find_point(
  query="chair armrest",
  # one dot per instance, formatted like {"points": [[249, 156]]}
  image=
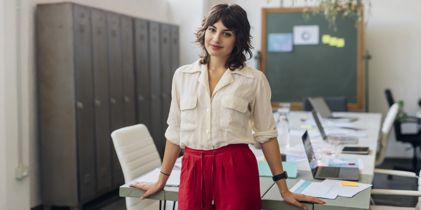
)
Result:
{"points": [[396, 192], [395, 172]]}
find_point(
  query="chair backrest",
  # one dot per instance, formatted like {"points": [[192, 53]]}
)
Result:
{"points": [[397, 124], [335, 103], [385, 132], [138, 155], [389, 97]]}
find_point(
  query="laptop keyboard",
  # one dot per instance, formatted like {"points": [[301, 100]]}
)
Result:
{"points": [[328, 172]]}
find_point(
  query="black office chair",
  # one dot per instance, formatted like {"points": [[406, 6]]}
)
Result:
{"points": [[335, 103], [413, 139]]}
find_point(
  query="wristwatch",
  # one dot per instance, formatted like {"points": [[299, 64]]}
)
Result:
{"points": [[280, 176]]}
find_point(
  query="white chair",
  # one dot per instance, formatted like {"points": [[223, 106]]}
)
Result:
{"points": [[412, 193], [385, 133], [137, 154], [381, 153]]}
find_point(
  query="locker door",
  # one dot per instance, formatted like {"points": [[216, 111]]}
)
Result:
{"points": [[175, 48], [166, 74], [128, 70], [143, 89], [155, 69], [84, 103], [116, 87], [102, 124]]}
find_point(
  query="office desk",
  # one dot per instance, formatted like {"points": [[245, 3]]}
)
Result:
{"points": [[171, 193], [271, 198], [370, 122]]}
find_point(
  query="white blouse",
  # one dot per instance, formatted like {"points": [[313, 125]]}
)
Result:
{"points": [[238, 111]]}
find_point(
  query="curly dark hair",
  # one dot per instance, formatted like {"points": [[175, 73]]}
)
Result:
{"points": [[235, 19]]}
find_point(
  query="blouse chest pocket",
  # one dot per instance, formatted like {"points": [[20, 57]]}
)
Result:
{"points": [[188, 114], [235, 112]]}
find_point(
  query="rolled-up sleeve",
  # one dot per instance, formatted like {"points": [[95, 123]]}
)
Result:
{"points": [[263, 123], [172, 133]]}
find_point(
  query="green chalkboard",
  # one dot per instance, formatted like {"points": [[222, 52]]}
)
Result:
{"points": [[318, 69]]}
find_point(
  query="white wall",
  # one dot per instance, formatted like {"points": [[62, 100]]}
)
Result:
{"points": [[393, 38], [2, 111], [188, 15], [9, 112]]}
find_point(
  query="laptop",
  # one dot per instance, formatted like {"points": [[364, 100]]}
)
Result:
{"points": [[327, 172], [342, 139], [319, 104]]}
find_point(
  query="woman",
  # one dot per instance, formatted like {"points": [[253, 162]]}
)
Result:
{"points": [[219, 106]]}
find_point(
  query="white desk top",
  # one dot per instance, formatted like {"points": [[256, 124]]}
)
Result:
{"points": [[271, 198]]}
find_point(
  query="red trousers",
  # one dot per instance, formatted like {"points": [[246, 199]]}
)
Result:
{"points": [[226, 178]]}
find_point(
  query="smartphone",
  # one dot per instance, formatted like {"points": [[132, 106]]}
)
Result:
{"points": [[356, 150]]}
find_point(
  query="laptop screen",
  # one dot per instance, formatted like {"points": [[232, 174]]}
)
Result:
{"points": [[319, 124], [308, 148], [319, 104]]}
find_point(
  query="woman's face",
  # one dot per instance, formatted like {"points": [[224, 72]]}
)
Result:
{"points": [[219, 41]]}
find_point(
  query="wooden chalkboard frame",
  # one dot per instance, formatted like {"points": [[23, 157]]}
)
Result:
{"points": [[360, 75]]}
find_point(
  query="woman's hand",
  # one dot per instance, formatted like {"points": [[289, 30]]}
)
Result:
{"points": [[149, 188], [294, 199]]}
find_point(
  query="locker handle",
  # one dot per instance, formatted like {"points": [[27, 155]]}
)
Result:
{"points": [[140, 98], [113, 101], [126, 99], [79, 105], [97, 102], [154, 96]]}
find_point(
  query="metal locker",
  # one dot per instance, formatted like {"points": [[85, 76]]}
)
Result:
{"points": [[84, 102], [143, 84], [155, 71], [116, 87], [166, 74], [175, 48], [91, 67], [128, 70], [102, 115], [56, 103]]}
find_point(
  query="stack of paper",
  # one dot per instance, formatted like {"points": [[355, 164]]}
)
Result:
{"points": [[329, 189]]}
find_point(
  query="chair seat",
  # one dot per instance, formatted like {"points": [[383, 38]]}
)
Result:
{"points": [[391, 208]]}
